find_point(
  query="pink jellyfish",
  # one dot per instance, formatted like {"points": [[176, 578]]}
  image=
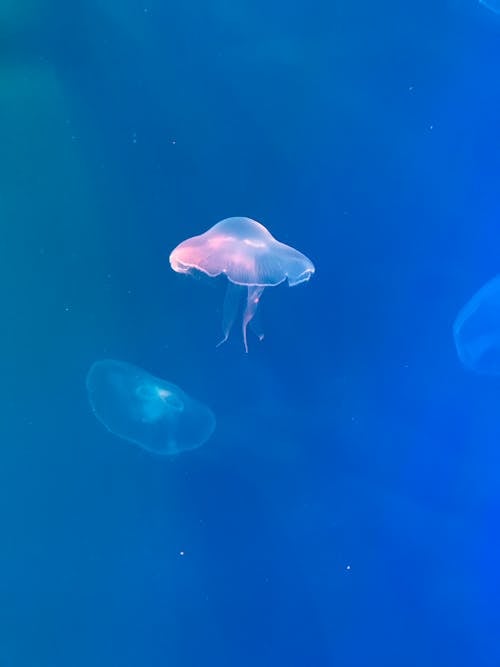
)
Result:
{"points": [[251, 258]]}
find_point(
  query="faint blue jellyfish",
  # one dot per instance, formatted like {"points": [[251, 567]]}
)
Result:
{"points": [[250, 257], [476, 330], [146, 410], [492, 5]]}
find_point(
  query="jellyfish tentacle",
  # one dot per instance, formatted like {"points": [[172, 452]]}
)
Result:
{"points": [[232, 304], [254, 294]]}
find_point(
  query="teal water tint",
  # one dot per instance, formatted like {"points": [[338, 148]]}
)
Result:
{"points": [[345, 510]]}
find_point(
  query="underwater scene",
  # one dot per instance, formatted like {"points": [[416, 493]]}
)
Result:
{"points": [[250, 266]]}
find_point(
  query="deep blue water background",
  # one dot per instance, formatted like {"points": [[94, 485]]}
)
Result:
{"points": [[346, 511]]}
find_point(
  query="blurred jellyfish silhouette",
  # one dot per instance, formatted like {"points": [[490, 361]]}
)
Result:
{"points": [[148, 411], [476, 330], [492, 5], [251, 259]]}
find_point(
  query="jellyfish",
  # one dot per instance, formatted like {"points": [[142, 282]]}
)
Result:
{"points": [[492, 5], [146, 410], [251, 259], [476, 330]]}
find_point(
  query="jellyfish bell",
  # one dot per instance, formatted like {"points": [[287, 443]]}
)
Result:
{"points": [[476, 330], [249, 256], [150, 412], [245, 251]]}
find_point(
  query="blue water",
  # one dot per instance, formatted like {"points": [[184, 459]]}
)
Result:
{"points": [[345, 512]]}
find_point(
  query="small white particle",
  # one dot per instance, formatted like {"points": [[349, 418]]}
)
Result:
{"points": [[181, 553]]}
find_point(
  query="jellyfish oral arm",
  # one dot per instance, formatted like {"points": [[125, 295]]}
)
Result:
{"points": [[253, 299], [232, 303]]}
